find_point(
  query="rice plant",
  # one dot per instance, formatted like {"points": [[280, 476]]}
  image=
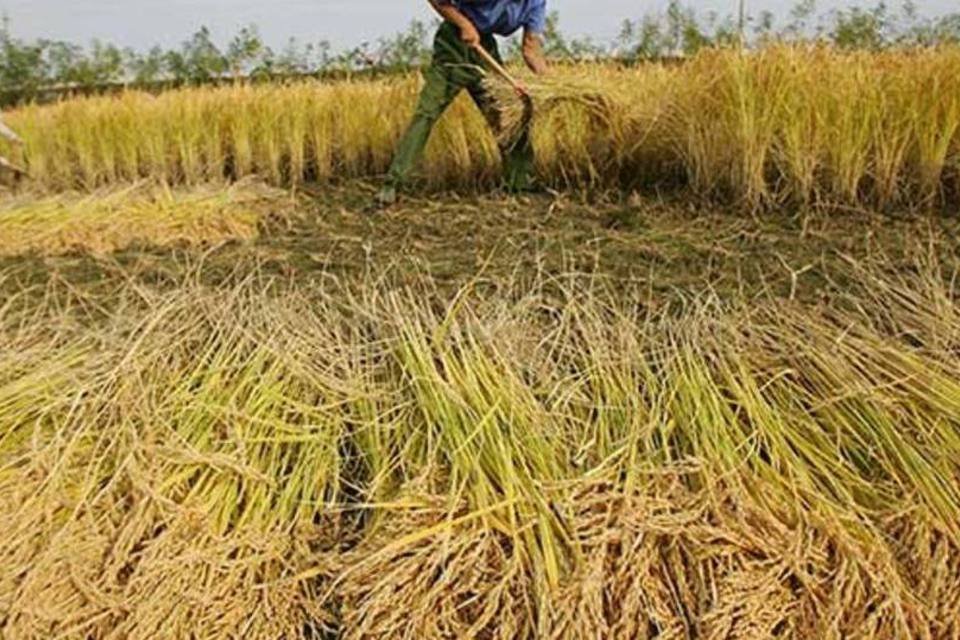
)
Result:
{"points": [[784, 124], [271, 462]]}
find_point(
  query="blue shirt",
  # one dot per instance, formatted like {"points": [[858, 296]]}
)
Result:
{"points": [[504, 17]]}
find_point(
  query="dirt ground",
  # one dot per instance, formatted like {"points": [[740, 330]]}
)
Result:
{"points": [[660, 247]]}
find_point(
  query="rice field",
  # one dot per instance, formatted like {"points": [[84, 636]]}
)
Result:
{"points": [[708, 387], [793, 126]]}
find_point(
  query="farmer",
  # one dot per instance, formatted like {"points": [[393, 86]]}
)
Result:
{"points": [[469, 25]]}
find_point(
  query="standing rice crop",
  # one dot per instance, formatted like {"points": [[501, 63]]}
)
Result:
{"points": [[807, 125]]}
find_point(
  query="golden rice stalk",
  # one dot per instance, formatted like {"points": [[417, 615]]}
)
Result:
{"points": [[145, 213], [807, 125], [267, 462]]}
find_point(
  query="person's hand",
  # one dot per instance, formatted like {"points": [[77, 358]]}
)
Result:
{"points": [[523, 91], [470, 35]]}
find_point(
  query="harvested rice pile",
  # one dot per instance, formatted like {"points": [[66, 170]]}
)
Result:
{"points": [[141, 214], [547, 462]]}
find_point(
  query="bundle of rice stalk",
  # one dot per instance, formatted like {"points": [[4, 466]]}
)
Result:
{"points": [[591, 125], [168, 511], [585, 91], [143, 213]]}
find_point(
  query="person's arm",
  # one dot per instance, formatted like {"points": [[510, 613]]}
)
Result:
{"points": [[447, 11], [533, 52]]}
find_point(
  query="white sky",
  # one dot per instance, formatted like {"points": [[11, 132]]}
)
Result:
{"points": [[143, 23]]}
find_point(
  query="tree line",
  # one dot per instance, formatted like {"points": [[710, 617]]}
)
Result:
{"points": [[28, 69]]}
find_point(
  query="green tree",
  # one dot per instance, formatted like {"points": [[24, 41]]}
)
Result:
{"points": [[23, 67], [197, 60], [408, 49], [245, 51], [147, 68]]}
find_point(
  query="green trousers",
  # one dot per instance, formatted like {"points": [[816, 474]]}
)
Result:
{"points": [[456, 67]]}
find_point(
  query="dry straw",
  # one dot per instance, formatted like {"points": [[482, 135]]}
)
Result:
{"points": [[142, 214], [547, 463]]}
